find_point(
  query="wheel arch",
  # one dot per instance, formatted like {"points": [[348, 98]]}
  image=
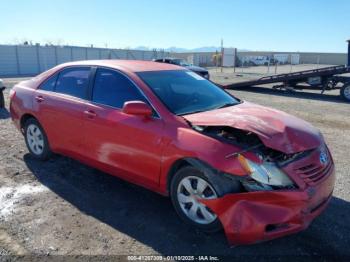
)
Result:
{"points": [[24, 119], [213, 175], [177, 165]]}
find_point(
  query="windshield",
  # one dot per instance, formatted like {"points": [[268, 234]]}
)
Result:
{"points": [[184, 92]]}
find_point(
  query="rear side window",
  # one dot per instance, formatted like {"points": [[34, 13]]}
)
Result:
{"points": [[49, 84], [114, 89], [74, 82]]}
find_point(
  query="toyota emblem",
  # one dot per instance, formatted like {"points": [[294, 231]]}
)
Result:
{"points": [[323, 157]]}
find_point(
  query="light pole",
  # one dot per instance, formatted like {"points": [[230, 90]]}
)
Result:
{"points": [[348, 52]]}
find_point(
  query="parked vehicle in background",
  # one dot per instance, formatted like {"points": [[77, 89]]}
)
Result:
{"points": [[181, 62], [2, 98], [258, 60], [257, 172]]}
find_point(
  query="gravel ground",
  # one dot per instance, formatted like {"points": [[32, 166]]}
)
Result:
{"points": [[62, 207]]}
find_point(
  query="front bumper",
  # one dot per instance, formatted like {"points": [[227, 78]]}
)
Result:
{"points": [[252, 217]]}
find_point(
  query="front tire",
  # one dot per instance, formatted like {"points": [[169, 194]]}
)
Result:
{"points": [[188, 185], [36, 140]]}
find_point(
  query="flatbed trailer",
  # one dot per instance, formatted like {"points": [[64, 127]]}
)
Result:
{"points": [[326, 78]]}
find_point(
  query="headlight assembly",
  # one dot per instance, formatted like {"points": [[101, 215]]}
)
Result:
{"points": [[264, 176]]}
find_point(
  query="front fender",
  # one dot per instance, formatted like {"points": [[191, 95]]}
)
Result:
{"points": [[190, 144]]}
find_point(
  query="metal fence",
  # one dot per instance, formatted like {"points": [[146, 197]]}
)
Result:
{"points": [[28, 60], [206, 58]]}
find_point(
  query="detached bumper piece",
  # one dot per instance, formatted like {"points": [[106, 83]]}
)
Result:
{"points": [[253, 217]]}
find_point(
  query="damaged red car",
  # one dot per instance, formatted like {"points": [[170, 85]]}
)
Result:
{"points": [[254, 171]]}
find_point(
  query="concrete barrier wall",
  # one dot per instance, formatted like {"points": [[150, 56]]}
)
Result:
{"points": [[31, 60], [323, 58], [23, 60], [8, 61]]}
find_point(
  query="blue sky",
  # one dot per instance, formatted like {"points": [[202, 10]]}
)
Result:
{"points": [[279, 25]]}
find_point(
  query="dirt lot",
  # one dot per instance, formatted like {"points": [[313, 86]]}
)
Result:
{"points": [[64, 207]]}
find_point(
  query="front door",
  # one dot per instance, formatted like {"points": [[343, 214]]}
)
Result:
{"points": [[125, 145]]}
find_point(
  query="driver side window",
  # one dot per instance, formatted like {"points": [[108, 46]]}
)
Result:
{"points": [[114, 89]]}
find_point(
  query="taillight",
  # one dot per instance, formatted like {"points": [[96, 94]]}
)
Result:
{"points": [[12, 93]]}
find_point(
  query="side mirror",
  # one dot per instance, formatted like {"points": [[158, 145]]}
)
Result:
{"points": [[138, 108]]}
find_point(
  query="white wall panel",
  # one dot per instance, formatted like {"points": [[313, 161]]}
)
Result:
{"points": [[79, 53], [8, 61], [93, 53], [64, 54], [47, 57], [28, 60]]}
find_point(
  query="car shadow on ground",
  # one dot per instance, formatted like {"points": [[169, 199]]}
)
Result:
{"points": [[150, 219], [298, 93], [4, 113]]}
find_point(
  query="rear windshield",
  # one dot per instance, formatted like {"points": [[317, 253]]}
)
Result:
{"points": [[184, 92]]}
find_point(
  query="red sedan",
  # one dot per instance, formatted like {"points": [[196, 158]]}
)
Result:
{"points": [[256, 172]]}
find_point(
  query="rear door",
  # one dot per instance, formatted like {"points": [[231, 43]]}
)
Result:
{"points": [[61, 103]]}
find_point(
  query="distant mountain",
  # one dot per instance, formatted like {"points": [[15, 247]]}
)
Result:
{"points": [[185, 50]]}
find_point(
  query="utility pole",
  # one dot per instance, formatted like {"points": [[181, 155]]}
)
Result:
{"points": [[222, 54], [235, 59], [348, 52]]}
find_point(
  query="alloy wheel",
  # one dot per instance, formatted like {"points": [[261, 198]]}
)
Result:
{"points": [[190, 190], [35, 139]]}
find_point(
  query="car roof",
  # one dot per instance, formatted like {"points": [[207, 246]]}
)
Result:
{"points": [[129, 65]]}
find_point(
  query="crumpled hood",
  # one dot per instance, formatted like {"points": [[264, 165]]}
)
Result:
{"points": [[276, 129]]}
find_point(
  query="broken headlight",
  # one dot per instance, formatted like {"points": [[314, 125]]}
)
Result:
{"points": [[264, 176]]}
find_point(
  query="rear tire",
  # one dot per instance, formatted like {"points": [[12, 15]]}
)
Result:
{"points": [[345, 92], [36, 140]]}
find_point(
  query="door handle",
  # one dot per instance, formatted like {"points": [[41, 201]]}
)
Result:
{"points": [[90, 113], [39, 99]]}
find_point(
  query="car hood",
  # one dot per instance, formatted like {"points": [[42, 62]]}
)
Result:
{"points": [[276, 129], [196, 68]]}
